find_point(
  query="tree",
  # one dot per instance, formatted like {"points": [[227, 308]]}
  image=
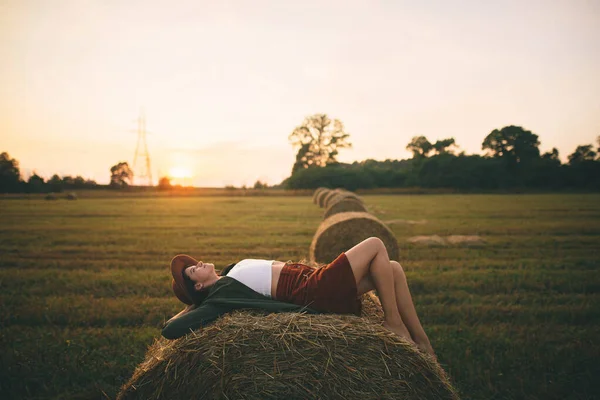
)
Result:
{"points": [[10, 175], [260, 185], [303, 158], [318, 140], [444, 146], [35, 183], [68, 182], [513, 144], [121, 175], [584, 170], [164, 183], [79, 182], [582, 154], [55, 183], [551, 155], [334, 175], [420, 146]]}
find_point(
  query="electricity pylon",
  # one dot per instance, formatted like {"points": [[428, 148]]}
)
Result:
{"points": [[144, 177]]}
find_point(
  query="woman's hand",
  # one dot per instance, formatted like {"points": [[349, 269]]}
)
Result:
{"points": [[182, 312]]}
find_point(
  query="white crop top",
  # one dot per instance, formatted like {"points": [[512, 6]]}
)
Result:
{"points": [[256, 274]]}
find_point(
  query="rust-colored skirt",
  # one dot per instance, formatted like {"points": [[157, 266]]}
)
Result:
{"points": [[331, 288]]}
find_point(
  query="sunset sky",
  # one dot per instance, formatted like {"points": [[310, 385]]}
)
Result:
{"points": [[223, 83]]}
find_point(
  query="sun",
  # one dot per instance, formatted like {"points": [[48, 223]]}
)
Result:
{"points": [[180, 173]]}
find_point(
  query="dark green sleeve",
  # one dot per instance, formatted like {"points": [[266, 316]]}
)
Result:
{"points": [[201, 316]]}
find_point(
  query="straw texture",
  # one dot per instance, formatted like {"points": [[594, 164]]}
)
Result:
{"points": [[321, 197], [340, 196], [342, 231], [344, 205], [248, 355], [329, 196], [316, 194]]}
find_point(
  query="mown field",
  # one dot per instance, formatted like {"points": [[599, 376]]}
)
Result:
{"points": [[85, 287]]}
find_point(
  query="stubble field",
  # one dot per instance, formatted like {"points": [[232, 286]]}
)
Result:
{"points": [[85, 287]]}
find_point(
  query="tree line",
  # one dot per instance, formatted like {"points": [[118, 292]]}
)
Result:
{"points": [[121, 176], [11, 180], [512, 161]]}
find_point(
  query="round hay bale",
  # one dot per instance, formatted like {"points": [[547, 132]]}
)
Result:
{"points": [[321, 197], [433, 240], [316, 194], [328, 196], [249, 355], [71, 196], [342, 231], [341, 196], [345, 205], [51, 196]]}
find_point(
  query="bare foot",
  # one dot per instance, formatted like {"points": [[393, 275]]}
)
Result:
{"points": [[426, 348], [400, 331]]}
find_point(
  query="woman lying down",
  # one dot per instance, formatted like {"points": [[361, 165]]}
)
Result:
{"points": [[275, 286]]}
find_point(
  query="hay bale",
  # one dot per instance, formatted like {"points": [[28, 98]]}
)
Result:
{"points": [[469, 240], [316, 194], [343, 195], [345, 205], [330, 196], [348, 193], [342, 231], [71, 196], [433, 240], [246, 354], [51, 196], [321, 197], [327, 196]]}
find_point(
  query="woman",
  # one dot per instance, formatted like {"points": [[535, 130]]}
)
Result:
{"points": [[276, 287]]}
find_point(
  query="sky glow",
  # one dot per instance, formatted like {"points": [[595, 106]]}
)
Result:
{"points": [[223, 84]]}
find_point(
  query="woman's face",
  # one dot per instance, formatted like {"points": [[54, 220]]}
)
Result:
{"points": [[201, 274]]}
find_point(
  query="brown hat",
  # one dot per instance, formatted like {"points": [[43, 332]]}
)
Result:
{"points": [[178, 264]]}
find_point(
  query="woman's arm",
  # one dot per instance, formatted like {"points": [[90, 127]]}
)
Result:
{"points": [[182, 312], [194, 318]]}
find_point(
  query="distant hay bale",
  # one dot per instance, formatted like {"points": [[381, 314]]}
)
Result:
{"points": [[71, 196], [321, 197], [342, 231], [433, 240], [246, 354], [329, 196], [342, 195], [51, 196], [469, 240], [345, 205], [348, 193], [316, 194]]}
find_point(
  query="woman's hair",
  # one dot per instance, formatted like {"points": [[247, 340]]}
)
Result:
{"points": [[198, 296]]}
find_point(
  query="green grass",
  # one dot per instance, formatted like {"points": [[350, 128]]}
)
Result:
{"points": [[84, 285]]}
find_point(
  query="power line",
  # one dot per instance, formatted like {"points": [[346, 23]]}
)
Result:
{"points": [[143, 177]]}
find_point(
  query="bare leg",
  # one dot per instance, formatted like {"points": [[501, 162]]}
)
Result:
{"points": [[370, 258], [405, 305], [407, 309]]}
